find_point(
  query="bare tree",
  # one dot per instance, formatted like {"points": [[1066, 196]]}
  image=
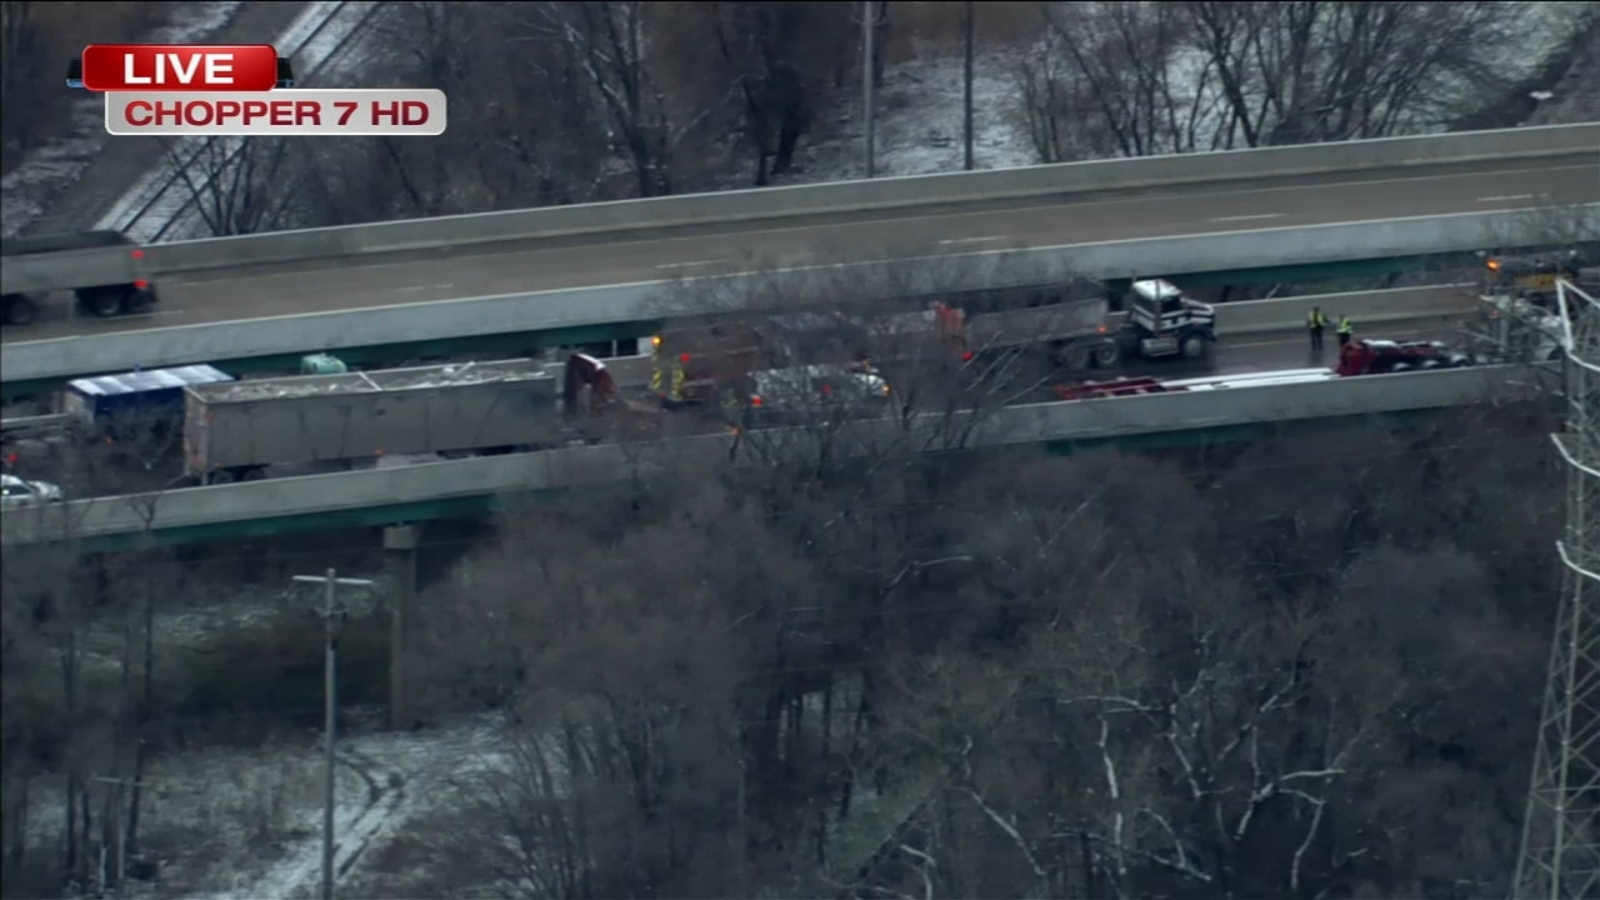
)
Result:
{"points": [[607, 39], [1116, 74], [523, 130], [779, 54], [1303, 73], [1135, 79], [241, 185]]}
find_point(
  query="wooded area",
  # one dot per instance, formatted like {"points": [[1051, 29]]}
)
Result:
{"points": [[1295, 667]]}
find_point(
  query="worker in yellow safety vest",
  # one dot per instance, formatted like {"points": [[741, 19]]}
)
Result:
{"points": [[1347, 330], [678, 379], [1316, 322]]}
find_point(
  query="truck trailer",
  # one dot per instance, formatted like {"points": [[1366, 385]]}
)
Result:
{"points": [[104, 269], [233, 432]]}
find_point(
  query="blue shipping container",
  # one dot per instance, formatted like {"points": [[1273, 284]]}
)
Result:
{"points": [[154, 396]]}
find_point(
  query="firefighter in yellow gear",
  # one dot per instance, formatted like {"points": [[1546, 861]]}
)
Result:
{"points": [[678, 379], [1347, 330], [658, 378]]}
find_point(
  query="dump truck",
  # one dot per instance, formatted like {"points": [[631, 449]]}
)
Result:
{"points": [[234, 432], [104, 270]]}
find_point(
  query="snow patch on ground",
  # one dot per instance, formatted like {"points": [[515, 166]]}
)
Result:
{"points": [[26, 191], [161, 205], [244, 824], [381, 782], [919, 125]]}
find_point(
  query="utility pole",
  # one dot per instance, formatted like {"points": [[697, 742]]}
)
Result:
{"points": [[333, 615], [869, 23], [1560, 857], [966, 111]]}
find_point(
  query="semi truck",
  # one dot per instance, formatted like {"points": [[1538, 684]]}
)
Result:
{"points": [[104, 269], [696, 365], [1159, 323]]}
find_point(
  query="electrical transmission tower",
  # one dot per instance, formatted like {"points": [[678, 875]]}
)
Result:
{"points": [[1560, 858]]}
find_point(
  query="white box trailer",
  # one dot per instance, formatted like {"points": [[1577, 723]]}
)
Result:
{"points": [[234, 431]]}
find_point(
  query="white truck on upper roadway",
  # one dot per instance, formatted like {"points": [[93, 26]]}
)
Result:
{"points": [[104, 270]]}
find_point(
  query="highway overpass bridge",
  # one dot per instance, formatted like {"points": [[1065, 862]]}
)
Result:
{"points": [[581, 273], [476, 486]]}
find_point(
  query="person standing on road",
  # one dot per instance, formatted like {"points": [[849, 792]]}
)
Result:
{"points": [[1347, 330], [1316, 322]]}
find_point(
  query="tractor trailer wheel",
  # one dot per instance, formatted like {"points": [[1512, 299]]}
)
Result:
{"points": [[104, 302], [19, 309], [1076, 357], [1192, 346], [113, 300], [1107, 354]]}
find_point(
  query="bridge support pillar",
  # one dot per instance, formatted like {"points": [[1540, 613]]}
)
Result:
{"points": [[400, 562]]}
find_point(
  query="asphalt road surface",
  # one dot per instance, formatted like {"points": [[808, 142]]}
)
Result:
{"points": [[554, 263]]}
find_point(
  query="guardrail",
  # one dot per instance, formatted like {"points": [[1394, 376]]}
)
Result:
{"points": [[656, 300], [1082, 420], [883, 193], [29, 424]]}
